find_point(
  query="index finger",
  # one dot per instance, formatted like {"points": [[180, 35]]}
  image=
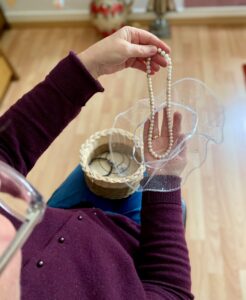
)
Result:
{"points": [[143, 37]]}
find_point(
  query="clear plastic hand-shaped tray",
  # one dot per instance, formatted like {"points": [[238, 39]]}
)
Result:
{"points": [[202, 122]]}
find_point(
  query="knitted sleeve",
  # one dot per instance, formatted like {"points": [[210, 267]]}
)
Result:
{"points": [[163, 264], [33, 122]]}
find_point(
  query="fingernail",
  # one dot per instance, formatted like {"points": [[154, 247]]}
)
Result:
{"points": [[152, 50]]}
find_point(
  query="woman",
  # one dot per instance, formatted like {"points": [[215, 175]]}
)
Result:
{"points": [[86, 253]]}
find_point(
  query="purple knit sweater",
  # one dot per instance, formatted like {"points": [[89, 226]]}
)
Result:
{"points": [[99, 257]]}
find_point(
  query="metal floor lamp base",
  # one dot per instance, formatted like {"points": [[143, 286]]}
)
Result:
{"points": [[160, 28]]}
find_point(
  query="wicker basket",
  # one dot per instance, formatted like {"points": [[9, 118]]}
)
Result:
{"points": [[115, 186]]}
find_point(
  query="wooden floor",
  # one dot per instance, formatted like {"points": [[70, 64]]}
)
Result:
{"points": [[215, 194]]}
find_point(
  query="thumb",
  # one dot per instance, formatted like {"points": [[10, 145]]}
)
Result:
{"points": [[142, 50]]}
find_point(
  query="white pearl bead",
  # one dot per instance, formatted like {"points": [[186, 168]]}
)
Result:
{"points": [[159, 50], [163, 53]]}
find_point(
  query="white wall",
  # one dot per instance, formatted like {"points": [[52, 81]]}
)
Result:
{"points": [[38, 10], [29, 5]]}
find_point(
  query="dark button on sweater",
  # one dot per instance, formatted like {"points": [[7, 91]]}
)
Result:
{"points": [[40, 263], [61, 239]]}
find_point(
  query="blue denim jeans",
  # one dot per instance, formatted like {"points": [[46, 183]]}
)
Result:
{"points": [[73, 192]]}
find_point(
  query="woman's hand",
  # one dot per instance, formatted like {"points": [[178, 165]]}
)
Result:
{"points": [[10, 278], [177, 164], [128, 47]]}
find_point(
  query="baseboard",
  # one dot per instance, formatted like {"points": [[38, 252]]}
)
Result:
{"points": [[47, 16], [234, 15], [227, 15]]}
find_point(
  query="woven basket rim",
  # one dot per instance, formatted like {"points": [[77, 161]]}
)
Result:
{"points": [[87, 147]]}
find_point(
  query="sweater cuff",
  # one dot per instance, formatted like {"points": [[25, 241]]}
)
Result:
{"points": [[165, 197], [162, 197], [74, 81]]}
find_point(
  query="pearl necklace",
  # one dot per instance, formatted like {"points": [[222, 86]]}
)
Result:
{"points": [[152, 106]]}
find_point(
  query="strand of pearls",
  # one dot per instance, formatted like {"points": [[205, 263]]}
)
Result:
{"points": [[152, 106]]}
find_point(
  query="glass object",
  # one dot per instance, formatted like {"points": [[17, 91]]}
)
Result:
{"points": [[21, 200], [202, 123], [160, 26]]}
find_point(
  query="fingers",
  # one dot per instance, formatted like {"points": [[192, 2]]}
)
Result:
{"points": [[145, 134], [177, 120], [144, 51], [155, 129], [139, 65], [160, 60], [164, 126], [156, 125], [143, 37], [154, 66], [146, 128], [157, 59]]}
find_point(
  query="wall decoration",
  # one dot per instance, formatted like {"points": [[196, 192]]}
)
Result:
{"points": [[109, 15], [59, 3]]}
